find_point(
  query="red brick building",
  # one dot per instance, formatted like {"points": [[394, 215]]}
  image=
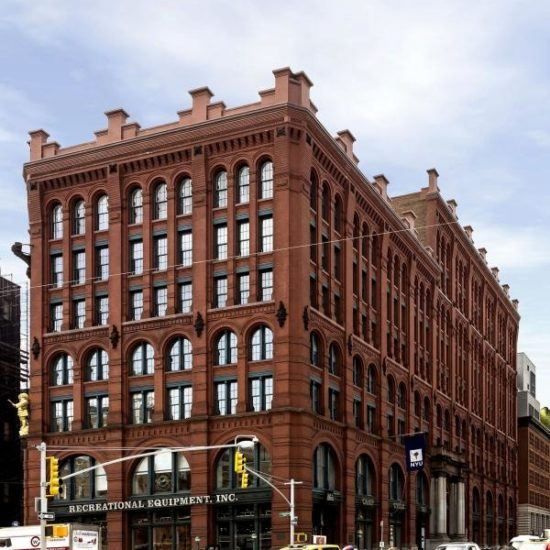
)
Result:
{"points": [[235, 273]]}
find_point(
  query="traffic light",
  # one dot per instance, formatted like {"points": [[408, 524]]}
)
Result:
{"points": [[244, 480], [54, 483], [240, 462]]}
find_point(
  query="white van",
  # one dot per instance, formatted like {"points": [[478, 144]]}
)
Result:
{"points": [[59, 536]]}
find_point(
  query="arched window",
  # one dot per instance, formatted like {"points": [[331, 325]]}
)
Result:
{"points": [[365, 241], [364, 476], [439, 414], [97, 367], [372, 386], [357, 372], [324, 468], [62, 370], [391, 390], [266, 180], [427, 409], [243, 185], [185, 193], [489, 517], [447, 424], [226, 348], [313, 191], [334, 360], [325, 205], [220, 190], [338, 214], [314, 350], [102, 213], [257, 458], [79, 217], [143, 359], [180, 356], [90, 485], [57, 222], [397, 483], [165, 472], [417, 405], [402, 396], [422, 490], [161, 201], [136, 206], [261, 344], [356, 232]]}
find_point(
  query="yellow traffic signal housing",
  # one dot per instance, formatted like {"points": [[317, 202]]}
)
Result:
{"points": [[60, 531], [54, 483], [244, 480], [240, 462]]}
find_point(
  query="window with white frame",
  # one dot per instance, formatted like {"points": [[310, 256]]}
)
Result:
{"points": [[243, 228], [79, 313], [57, 270], [266, 180], [97, 367], [79, 263], [56, 314], [62, 370], [220, 291], [186, 248], [161, 202], [57, 222], [180, 402], [243, 185], [62, 415], [136, 257], [102, 263], [266, 285], [79, 218], [161, 253], [102, 213], [261, 393], [227, 396], [180, 355], [136, 305], [226, 348], [185, 196], [102, 310], [142, 360], [161, 301], [243, 290], [186, 297], [261, 344], [220, 190], [97, 411], [266, 234], [220, 250], [136, 206], [143, 404]]}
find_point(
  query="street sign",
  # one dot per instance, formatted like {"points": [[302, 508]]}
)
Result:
{"points": [[284, 514], [46, 515]]}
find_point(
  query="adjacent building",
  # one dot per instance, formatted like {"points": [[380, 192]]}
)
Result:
{"points": [[11, 473], [234, 272], [533, 454]]}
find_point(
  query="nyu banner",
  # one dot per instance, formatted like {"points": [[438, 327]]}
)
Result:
{"points": [[415, 448]]}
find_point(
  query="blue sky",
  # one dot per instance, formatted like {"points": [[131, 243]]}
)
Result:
{"points": [[462, 86]]}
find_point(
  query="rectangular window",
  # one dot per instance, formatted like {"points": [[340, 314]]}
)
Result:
{"points": [[97, 410], [337, 309], [364, 286], [143, 403], [355, 276], [79, 313], [391, 429], [371, 419], [79, 276], [325, 253], [57, 270], [326, 301], [220, 245], [186, 248], [243, 292], [334, 404], [161, 301], [136, 257], [313, 298], [357, 413], [102, 310], [261, 393], [102, 259], [180, 402], [373, 297], [266, 285], [56, 313], [244, 238], [315, 392], [337, 263], [62, 415], [226, 397], [186, 297], [313, 243], [136, 305], [220, 291], [161, 253], [266, 234]]}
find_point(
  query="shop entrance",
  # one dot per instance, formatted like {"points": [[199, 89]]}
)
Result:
{"points": [[161, 529], [243, 527]]}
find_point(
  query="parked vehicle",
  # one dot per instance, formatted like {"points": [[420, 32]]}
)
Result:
{"points": [[69, 536], [458, 546]]}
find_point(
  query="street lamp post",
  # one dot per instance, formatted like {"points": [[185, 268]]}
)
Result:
{"points": [[197, 542]]}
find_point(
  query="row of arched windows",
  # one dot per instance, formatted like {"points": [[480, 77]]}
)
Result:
{"points": [[78, 217], [178, 358]]}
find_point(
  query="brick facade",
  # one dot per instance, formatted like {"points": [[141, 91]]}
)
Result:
{"points": [[411, 329]]}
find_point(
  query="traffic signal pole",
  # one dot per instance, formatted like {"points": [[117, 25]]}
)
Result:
{"points": [[43, 498]]}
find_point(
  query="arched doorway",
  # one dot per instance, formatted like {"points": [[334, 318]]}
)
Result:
{"points": [[489, 519], [398, 505], [476, 517], [365, 503], [243, 522], [326, 496], [165, 474], [422, 510]]}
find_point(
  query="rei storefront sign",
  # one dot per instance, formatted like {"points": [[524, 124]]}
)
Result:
{"points": [[151, 503]]}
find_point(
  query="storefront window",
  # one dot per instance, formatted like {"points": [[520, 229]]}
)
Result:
{"points": [[257, 458], [87, 486], [162, 530]]}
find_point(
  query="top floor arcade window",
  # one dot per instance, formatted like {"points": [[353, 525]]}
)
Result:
{"points": [[102, 213], [86, 486], [165, 472], [185, 193], [266, 180], [57, 222], [136, 206], [220, 190], [161, 201], [313, 191], [243, 185], [79, 217]]}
